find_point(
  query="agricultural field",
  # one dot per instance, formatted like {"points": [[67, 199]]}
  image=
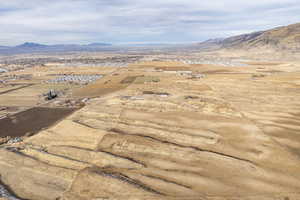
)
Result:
{"points": [[150, 100], [160, 130], [23, 93]]}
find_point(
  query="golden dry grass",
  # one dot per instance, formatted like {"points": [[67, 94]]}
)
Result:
{"points": [[236, 138]]}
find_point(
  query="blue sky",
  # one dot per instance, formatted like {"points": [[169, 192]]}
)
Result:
{"points": [[138, 21]]}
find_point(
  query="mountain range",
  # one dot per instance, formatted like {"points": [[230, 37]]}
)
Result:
{"points": [[30, 47], [286, 38]]}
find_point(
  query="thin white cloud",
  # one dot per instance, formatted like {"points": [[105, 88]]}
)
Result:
{"points": [[81, 21]]}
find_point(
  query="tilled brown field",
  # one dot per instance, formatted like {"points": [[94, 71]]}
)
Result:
{"points": [[32, 121]]}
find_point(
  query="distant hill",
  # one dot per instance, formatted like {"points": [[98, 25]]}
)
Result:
{"points": [[281, 38], [31, 47], [37, 45]]}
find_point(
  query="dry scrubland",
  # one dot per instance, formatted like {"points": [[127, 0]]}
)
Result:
{"points": [[150, 133]]}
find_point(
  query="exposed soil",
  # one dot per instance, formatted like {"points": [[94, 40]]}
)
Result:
{"points": [[216, 71], [24, 86], [31, 121], [129, 79], [173, 68]]}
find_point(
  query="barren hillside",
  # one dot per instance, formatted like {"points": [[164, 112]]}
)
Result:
{"points": [[281, 38]]}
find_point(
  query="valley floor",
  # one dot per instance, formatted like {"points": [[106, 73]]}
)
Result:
{"points": [[167, 130]]}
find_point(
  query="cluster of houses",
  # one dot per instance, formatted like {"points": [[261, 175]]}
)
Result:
{"points": [[80, 79]]}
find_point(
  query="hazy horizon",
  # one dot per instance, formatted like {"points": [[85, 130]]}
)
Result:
{"points": [[115, 44]]}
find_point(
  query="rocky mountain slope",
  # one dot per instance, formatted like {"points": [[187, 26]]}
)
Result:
{"points": [[281, 38]]}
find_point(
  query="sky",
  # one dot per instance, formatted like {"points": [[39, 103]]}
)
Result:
{"points": [[138, 21]]}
